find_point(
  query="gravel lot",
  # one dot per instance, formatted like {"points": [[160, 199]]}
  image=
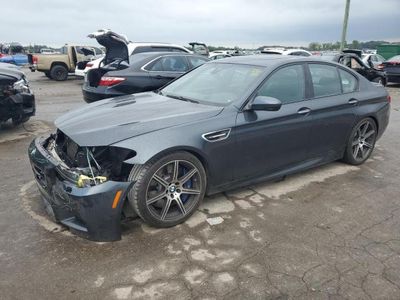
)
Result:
{"points": [[329, 233]]}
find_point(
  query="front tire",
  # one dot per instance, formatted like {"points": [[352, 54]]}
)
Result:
{"points": [[361, 142], [168, 190]]}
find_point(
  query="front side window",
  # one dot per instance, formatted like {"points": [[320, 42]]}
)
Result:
{"points": [[325, 80], [286, 84], [349, 81]]}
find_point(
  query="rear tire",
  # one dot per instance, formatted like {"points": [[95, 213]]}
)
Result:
{"points": [[59, 73], [361, 142], [19, 120], [168, 189]]}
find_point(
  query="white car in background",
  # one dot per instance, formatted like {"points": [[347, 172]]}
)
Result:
{"points": [[283, 51], [214, 55], [133, 48], [372, 60]]}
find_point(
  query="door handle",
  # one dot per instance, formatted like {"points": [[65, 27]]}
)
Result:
{"points": [[159, 77], [304, 111], [353, 101]]}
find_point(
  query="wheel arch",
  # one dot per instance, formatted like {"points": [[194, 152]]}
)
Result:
{"points": [[195, 152], [192, 150], [59, 63]]}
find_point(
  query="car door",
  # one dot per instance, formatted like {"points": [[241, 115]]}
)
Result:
{"points": [[167, 68], [271, 141], [333, 109]]}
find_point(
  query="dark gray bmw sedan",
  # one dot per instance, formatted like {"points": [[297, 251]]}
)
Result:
{"points": [[225, 124]]}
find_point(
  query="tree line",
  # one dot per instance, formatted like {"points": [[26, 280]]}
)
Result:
{"points": [[355, 44]]}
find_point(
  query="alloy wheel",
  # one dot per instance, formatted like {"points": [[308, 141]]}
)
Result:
{"points": [[173, 190], [363, 140]]}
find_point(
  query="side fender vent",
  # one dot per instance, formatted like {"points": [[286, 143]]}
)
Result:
{"points": [[216, 136]]}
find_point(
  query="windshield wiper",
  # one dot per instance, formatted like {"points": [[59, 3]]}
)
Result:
{"points": [[181, 98]]}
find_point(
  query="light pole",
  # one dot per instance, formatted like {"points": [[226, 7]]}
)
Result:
{"points": [[344, 29]]}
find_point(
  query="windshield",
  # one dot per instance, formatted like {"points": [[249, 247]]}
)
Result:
{"points": [[216, 83]]}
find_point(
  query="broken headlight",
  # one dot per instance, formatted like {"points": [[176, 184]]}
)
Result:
{"points": [[21, 86]]}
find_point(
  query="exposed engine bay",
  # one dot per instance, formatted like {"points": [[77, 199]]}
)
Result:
{"points": [[91, 165]]}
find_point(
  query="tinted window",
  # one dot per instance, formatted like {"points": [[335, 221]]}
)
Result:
{"points": [[349, 82], [196, 61], [286, 84], [156, 66], [325, 80], [169, 64]]}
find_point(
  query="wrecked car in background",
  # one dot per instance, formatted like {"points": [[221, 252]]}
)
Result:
{"points": [[147, 71], [392, 68], [59, 66], [17, 101], [352, 60], [226, 124]]}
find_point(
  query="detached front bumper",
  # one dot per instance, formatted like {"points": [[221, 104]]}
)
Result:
{"points": [[91, 212]]}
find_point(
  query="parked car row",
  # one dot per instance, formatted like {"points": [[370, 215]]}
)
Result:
{"points": [[354, 62]]}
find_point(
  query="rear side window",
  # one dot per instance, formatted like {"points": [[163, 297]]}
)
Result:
{"points": [[196, 61], [286, 84], [349, 81], [325, 80], [169, 64]]}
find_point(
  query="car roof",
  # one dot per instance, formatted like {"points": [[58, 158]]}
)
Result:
{"points": [[165, 53], [133, 45], [265, 60]]}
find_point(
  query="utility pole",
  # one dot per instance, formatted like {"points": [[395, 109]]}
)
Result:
{"points": [[344, 29]]}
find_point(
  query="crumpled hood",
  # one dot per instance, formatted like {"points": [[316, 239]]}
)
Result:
{"points": [[112, 120]]}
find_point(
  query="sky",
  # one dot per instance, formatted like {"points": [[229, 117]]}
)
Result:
{"points": [[243, 23]]}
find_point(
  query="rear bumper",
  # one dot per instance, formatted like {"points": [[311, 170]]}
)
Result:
{"points": [[91, 94], [89, 212], [393, 77]]}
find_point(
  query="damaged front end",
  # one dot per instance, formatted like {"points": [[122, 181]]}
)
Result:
{"points": [[84, 188], [17, 102]]}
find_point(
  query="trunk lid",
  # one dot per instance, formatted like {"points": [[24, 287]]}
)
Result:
{"points": [[116, 45]]}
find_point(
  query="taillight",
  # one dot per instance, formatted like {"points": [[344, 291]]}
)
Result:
{"points": [[34, 59], [89, 65], [389, 99], [109, 81]]}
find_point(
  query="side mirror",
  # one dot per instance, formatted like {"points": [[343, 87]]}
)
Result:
{"points": [[265, 103]]}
